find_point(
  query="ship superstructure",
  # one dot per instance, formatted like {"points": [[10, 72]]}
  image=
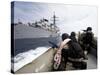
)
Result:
{"points": [[41, 28]]}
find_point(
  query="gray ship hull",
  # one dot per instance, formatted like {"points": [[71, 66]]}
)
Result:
{"points": [[23, 31]]}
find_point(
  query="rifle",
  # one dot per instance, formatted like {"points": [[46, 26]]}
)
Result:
{"points": [[53, 44]]}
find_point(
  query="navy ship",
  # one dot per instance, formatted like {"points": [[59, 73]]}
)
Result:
{"points": [[32, 35], [42, 28]]}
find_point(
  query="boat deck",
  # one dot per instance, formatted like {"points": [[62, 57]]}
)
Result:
{"points": [[44, 63], [91, 63]]}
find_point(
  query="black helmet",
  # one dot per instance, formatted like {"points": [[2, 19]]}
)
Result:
{"points": [[89, 28], [65, 36], [73, 34]]}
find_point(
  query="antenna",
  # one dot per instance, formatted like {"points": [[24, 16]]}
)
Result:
{"points": [[54, 19]]}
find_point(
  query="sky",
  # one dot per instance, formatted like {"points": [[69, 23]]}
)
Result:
{"points": [[70, 17]]}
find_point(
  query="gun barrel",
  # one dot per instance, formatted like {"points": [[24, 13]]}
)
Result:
{"points": [[53, 44]]}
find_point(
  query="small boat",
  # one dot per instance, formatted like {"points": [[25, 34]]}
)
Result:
{"points": [[44, 63]]}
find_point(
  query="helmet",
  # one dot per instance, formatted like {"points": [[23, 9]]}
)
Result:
{"points": [[65, 36], [89, 28], [73, 34]]}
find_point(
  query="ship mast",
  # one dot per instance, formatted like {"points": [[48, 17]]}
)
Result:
{"points": [[54, 19]]}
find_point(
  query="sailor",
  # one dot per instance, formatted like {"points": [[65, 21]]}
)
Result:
{"points": [[87, 39], [73, 37], [70, 51]]}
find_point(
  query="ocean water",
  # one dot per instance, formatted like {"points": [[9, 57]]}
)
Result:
{"points": [[27, 50], [24, 58], [23, 45]]}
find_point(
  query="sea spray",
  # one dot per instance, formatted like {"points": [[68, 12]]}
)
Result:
{"points": [[24, 58]]}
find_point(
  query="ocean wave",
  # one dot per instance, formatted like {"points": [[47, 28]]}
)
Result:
{"points": [[24, 58]]}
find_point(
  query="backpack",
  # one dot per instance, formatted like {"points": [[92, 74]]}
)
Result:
{"points": [[75, 50], [87, 38]]}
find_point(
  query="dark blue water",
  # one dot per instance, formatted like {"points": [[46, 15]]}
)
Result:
{"points": [[22, 45]]}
